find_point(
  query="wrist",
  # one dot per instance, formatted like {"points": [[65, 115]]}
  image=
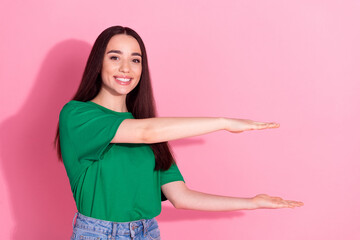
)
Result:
{"points": [[253, 203], [223, 123], [246, 204]]}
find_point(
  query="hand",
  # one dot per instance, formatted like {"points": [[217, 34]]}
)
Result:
{"points": [[239, 125], [266, 201]]}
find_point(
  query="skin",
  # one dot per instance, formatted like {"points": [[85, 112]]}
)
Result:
{"points": [[126, 61], [121, 59]]}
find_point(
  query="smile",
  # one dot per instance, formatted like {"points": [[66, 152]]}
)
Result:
{"points": [[123, 79]]}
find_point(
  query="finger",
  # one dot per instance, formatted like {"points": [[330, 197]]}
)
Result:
{"points": [[299, 204], [267, 125], [261, 126], [288, 204], [273, 125], [277, 203], [275, 199], [283, 205], [295, 203]]}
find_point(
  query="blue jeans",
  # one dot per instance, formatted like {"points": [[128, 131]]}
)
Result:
{"points": [[88, 228]]}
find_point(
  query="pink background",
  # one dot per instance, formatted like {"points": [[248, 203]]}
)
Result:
{"points": [[294, 62]]}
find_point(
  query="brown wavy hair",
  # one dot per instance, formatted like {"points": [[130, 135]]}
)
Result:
{"points": [[140, 101]]}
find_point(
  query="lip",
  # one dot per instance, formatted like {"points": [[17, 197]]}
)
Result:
{"points": [[126, 77], [123, 83]]}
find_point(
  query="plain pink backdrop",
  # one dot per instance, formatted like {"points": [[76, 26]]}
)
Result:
{"points": [[293, 62]]}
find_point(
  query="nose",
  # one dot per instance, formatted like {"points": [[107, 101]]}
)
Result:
{"points": [[124, 66]]}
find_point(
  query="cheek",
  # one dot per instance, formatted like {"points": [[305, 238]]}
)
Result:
{"points": [[103, 74], [106, 76], [107, 70], [138, 71]]}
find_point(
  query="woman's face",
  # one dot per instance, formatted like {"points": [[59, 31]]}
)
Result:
{"points": [[122, 65]]}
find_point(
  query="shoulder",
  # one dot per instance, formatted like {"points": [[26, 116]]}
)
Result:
{"points": [[77, 105], [74, 104], [77, 108]]}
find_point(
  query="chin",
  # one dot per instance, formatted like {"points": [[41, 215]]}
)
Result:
{"points": [[123, 92]]}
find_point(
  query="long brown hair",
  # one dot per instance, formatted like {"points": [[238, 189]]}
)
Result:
{"points": [[140, 101]]}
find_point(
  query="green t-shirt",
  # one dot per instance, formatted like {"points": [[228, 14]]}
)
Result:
{"points": [[110, 181]]}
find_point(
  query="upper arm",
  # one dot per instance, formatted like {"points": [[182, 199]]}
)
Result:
{"points": [[85, 130], [88, 131], [131, 131], [175, 192]]}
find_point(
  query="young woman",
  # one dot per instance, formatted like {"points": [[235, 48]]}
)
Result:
{"points": [[115, 149]]}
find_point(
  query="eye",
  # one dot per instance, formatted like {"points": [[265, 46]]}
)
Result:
{"points": [[136, 60], [114, 58]]}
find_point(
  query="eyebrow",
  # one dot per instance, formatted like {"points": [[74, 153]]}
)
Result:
{"points": [[120, 52]]}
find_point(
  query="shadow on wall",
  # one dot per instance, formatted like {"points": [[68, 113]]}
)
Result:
{"points": [[40, 194]]}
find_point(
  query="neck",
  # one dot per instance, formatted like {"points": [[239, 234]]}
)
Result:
{"points": [[114, 102]]}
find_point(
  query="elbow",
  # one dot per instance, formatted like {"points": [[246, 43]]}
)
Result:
{"points": [[183, 201], [148, 135], [178, 205], [177, 193]]}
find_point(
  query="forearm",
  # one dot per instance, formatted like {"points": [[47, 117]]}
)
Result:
{"points": [[184, 198], [195, 200], [163, 129]]}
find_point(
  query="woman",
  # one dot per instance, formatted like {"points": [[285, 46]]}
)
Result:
{"points": [[115, 150]]}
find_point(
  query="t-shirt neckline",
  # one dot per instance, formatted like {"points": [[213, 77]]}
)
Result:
{"points": [[107, 109]]}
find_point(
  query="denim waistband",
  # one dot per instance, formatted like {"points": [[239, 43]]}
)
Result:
{"points": [[112, 228]]}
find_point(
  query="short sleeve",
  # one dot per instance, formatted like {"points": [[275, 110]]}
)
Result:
{"points": [[171, 175], [89, 130]]}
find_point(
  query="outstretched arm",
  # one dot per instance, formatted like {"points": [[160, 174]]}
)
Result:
{"points": [[162, 129], [184, 198]]}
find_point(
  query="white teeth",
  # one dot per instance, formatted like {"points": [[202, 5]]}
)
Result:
{"points": [[123, 79]]}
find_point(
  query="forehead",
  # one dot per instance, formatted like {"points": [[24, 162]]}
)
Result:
{"points": [[123, 42]]}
